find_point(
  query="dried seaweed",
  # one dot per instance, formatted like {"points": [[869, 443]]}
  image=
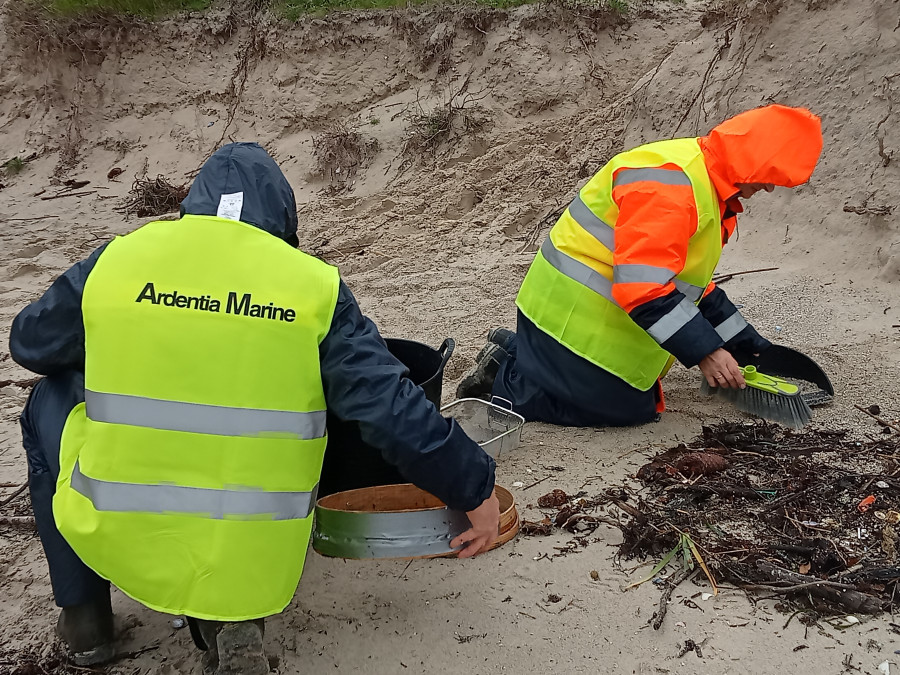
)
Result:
{"points": [[770, 510]]}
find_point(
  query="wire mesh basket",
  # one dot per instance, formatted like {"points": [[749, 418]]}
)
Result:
{"points": [[493, 425]]}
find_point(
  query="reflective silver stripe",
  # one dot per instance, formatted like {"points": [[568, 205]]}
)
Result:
{"points": [[691, 292], [673, 321], [731, 326], [665, 176], [200, 418], [577, 271], [202, 502], [363, 535], [629, 274], [635, 274], [598, 228]]}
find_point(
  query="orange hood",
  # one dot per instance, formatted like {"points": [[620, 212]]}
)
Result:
{"points": [[775, 144]]}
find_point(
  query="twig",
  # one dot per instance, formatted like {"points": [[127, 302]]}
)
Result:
{"points": [[404, 569], [15, 494], [727, 277], [630, 452], [657, 619], [137, 652], [69, 194], [882, 422], [781, 501], [537, 482], [22, 220]]}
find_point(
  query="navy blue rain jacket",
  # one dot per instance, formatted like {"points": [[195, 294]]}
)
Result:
{"points": [[363, 381]]}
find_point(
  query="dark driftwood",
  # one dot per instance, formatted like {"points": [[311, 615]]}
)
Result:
{"points": [[840, 594], [657, 619]]}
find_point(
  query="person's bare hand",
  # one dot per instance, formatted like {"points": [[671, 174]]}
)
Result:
{"points": [[485, 520], [721, 370]]}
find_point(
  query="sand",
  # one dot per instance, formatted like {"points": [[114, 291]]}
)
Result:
{"points": [[434, 243]]}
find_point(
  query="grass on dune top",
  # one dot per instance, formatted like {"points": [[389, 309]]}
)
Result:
{"points": [[295, 9], [143, 8]]}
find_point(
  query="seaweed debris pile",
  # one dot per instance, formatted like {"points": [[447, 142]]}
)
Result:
{"points": [[812, 516]]}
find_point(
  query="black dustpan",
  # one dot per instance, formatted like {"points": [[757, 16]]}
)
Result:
{"points": [[783, 361]]}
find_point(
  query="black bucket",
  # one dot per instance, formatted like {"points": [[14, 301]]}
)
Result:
{"points": [[350, 463], [426, 365]]}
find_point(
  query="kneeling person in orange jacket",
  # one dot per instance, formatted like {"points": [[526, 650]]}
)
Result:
{"points": [[622, 285]]}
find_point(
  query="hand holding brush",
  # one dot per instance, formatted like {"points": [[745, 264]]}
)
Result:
{"points": [[766, 396], [722, 370]]}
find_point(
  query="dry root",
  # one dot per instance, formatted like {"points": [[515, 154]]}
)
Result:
{"points": [[340, 152], [460, 115], [153, 197], [90, 36]]}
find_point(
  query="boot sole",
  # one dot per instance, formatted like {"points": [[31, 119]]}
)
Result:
{"points": [[241, 651], [94, 657]]}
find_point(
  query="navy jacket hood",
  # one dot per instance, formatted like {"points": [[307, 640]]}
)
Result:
{"points": [[255, 190]]}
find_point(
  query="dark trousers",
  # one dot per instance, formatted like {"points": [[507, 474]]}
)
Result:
{"points": [[43, 418], [546, 382], [348, 464]]}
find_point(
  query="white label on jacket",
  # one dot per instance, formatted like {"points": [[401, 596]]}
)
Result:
{"points": [[230, 206]]}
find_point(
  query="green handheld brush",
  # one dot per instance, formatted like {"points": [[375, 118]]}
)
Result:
{"points": [[766, 396]]}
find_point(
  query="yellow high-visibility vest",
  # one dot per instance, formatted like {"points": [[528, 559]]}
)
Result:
{"points": [[567, 291], [189, 475]]}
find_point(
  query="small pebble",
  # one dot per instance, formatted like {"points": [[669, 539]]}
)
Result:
{"points": [[178, 623], [518, 483]]}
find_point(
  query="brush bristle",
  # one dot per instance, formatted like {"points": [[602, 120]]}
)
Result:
{"points": [[790, 410]]}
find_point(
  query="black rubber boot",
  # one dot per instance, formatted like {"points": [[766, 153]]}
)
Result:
{"points": [[501, 337], [479, 381], [233, 648], [87, 631]]}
